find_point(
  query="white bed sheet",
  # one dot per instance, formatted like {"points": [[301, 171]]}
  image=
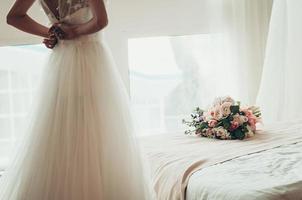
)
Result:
{"points": [[275, 174]]}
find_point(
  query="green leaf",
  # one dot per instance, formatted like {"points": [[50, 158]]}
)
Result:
{"points": [[239, 134], [202, 126], [244, 129], [226, 123], [233, 137], [235, 109]]}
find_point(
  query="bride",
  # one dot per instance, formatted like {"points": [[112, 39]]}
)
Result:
{"points": [[79, 145]]}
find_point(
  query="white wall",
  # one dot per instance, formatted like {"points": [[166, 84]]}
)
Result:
{"points": [[11, 36]]}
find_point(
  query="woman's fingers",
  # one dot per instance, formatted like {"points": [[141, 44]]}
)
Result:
{"points": [[50, 42], [57, 30], [50, 46], [63, 31]]}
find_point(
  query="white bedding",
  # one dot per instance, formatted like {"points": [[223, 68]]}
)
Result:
{"points": [[179, 163], [268, 175]]}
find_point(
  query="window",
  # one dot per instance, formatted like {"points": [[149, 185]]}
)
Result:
{"points": [[19, 71], [170, 76]]}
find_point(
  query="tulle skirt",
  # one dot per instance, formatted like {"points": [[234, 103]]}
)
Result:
{"points": [[80, 144]]}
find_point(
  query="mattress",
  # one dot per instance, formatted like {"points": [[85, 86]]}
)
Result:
{"points": [[268, 175]]}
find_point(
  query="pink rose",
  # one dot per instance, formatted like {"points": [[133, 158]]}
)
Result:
{"points": [[234, 125], [247, 112], [212, 123], [252, 123], [252, 120], [212, 113]]}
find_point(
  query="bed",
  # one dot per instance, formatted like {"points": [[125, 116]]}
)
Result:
{"points": [[265, 167], [271, 174]]}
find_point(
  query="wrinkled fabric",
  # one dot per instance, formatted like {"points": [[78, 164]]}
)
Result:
{"points": [[268, 175], [175, 157]]}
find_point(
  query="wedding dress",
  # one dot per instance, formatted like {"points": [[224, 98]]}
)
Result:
{"points": [[80, 144]]}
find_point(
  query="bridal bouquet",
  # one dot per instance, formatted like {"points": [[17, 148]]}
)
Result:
{"points": [[224, 120]]}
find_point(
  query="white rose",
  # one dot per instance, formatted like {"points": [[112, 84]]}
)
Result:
{"points": [[237, 118], [229, 100], [226, 109], [217, 113], [221, 132], [207, 115], [250, 132], [221, 100], [243, 119]]}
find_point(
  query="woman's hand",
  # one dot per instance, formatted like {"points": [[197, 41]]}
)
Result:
{"points": [[95, 24], [56, 31], [51, 41], [64, 31]]}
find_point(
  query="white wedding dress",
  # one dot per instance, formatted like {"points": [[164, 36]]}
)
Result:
{"points": [[80, 144]]}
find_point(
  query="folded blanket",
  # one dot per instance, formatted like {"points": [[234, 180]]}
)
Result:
{"points": [[175, 157]]}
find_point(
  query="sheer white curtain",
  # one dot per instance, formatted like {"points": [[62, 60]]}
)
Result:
{"points": [[248, 31], [280, 95], [19, 74], [171, 75]]}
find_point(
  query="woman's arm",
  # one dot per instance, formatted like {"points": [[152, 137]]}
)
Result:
{"points": [[18, 18], [97, 23], [99, 20]]}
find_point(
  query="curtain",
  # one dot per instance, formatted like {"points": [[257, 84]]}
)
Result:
{"points": [[20, 71], [244, 26], [280, 95], [172, 74]]}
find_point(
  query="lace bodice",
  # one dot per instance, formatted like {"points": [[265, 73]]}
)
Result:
{"points": [[72, 12], [65, 10]]}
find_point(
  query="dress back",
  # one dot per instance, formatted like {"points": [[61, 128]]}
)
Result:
{"points": [[72, 12], [68, 11]]}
